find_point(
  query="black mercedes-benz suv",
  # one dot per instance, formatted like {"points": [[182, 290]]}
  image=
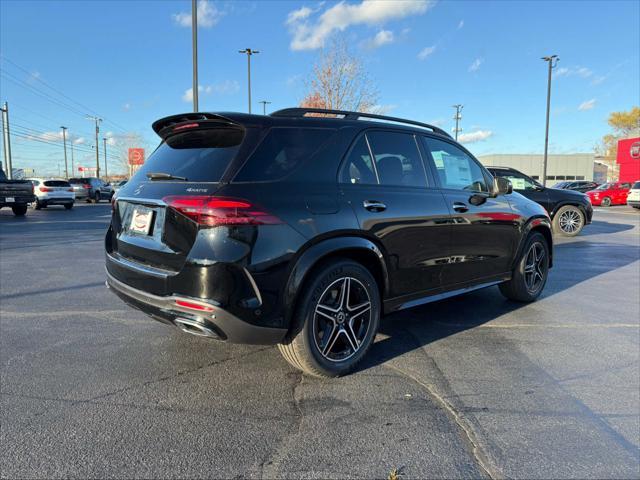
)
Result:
{"points": [[569, 210], [304, 227]]}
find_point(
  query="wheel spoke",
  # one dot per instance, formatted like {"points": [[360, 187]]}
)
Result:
{"points": [[331, 340], [359, 309], [326, 311], [344, 293], [353, 341]]}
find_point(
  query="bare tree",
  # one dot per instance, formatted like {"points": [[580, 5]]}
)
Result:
{"points": [[340, 82], [120, 145]]}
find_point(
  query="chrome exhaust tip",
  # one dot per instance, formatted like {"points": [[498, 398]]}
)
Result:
{"points": [[195, 328]]}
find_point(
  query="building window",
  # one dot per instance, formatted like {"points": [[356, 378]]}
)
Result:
{"points": [[580, 177], [571, 177], [559, 177], [550, 177], [535, 177]]}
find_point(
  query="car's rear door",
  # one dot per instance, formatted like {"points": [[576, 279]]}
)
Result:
{"points": [[484, 229], [397, 205]]}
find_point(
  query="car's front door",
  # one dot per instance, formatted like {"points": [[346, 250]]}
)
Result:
{"points": [[528, 187], [484, 228], [397, 205]]}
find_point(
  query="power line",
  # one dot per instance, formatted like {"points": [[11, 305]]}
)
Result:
{"points": [[37, 78]]}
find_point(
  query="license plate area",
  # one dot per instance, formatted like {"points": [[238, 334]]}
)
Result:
{"points": [[141, 221], [10, 199]]}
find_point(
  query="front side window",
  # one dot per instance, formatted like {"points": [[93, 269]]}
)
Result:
{"points": [[397, 158], [455, 168]]}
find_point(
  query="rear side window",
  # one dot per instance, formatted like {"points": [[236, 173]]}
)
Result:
{"points": [[56, 183], [359, 167], [281, 152], [398, 160], [636, 186], [198, 155]]}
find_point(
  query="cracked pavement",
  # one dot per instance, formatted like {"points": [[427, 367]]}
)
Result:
{"points": [[471, 387]]}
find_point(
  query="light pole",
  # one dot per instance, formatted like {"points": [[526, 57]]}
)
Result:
{"points": [[106, 171], [194, 40], [457, 118], [249, 52], [552, 61], [72, 167], [97, 120], [6, 137], [264, 106], [64, 142]]}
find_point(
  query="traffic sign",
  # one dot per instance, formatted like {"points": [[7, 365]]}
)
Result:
{"points": [[136, 156]]}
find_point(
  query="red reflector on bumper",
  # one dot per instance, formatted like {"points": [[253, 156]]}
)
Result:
{"points": [[193, 306]]}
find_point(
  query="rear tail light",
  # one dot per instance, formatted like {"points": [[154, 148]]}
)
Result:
{"points": [[33, 189], [69, 189], [86, 185], [45, 189], [218, 211]]}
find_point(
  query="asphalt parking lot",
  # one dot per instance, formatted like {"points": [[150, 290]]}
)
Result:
{"points": [[474, 386]]}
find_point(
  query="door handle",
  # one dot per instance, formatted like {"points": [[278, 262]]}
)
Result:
{"points": [[460, 207], [374, 205]]}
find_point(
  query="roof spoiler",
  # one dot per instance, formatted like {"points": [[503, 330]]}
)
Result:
{"points": [[167, 125]]}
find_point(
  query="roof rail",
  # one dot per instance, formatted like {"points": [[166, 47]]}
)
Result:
{"points": [[348, 115]]}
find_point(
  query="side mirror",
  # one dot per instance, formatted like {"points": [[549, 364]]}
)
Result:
{"points": [[502, 186]]}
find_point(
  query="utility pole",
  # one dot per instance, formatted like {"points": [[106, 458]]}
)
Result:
{"points": [[264, 106], [64, 142], [194, 40], [552, 61], [457, 117], [97, 120], [249, 52], [106, 171], [7, 141], [72, 167]]}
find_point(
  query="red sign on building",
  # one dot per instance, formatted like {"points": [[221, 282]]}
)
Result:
{"points": [[629, 159], [136, 156]]}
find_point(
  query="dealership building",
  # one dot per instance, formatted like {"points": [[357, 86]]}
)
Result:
{"points": [[574, 166]]}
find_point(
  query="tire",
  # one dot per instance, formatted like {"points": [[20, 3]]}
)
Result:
{"points": [[606, 202], [347, 323], [96, 197], [531, 272], [19, 210], [568, 221], [37, 205], [68, 206]]}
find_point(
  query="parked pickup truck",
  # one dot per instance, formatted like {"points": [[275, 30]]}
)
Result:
{"points": [[16, 194]]}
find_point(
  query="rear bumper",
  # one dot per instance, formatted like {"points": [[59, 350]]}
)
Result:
{"points": [[633, 203], [588, 210], [56, 200], [17, 200], [222, 324]]}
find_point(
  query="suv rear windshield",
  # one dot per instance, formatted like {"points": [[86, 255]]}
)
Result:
{"points": [[199, 155], [56, 183], [79, 180]]}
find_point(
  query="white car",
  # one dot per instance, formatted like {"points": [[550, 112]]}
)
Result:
{"points": [[51, 191], [633, 199]]}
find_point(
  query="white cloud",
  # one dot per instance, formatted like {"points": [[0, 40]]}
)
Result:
{"points": [[587, 105], [383, 37], [477, 136], [298, 15], [224, 88], [309, 33], [208, 15], [126, 107], [425, 52], [577, 71], [475, 66], [293, 80], [460, 24], [79, 141]]}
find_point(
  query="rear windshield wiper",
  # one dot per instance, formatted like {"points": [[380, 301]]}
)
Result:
{"points": [[164, 176]]}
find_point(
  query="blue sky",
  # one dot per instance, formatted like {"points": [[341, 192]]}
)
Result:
{"points": [[130, 62]]}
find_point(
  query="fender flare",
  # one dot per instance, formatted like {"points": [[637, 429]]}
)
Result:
{"points": [[539, 222], [311, 256], [564, 203]]}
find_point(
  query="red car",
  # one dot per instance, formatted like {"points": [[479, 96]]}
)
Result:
{"points": [[607, 194]]}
